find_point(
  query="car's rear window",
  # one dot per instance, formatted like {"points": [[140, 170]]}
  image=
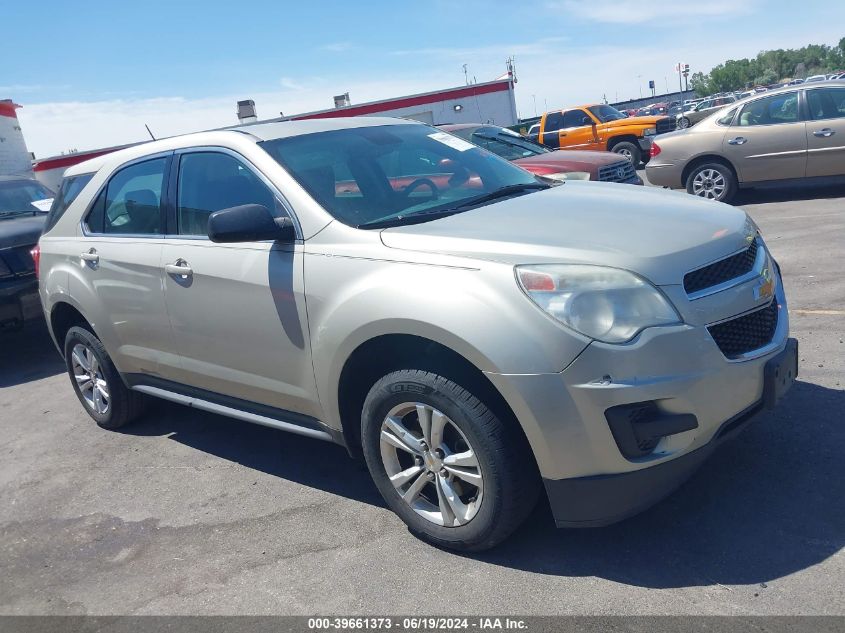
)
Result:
{"points": [[68, 191]]}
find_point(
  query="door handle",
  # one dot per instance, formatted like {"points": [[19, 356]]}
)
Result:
{"points": [[824, 132], [179, 268], [91, 257], [739, 140]]}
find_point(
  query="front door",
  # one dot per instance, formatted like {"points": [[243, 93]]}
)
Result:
{"points": [[768, 141], [579, 131], [120, 277], [826, 131], [237, 310]]}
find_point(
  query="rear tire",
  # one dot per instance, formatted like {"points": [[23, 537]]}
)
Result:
{"points": [[630, 151], [683, 123], [97, 383], [460, 477], [714, 181]]}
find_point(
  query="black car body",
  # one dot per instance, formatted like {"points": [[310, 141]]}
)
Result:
{"points": [[24, 203]]}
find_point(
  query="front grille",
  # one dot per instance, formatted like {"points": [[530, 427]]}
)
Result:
{"points": [[746, 333], [620, 171], [721, 271], [664, 125], [19, 259]]}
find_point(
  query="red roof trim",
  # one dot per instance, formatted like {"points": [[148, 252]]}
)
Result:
{"points": [[407, 102], [7, 108], [47, 164]]}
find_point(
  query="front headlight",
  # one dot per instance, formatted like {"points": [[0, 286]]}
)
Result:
{"points": [[569, 175], [650, 131], [607, 304]]}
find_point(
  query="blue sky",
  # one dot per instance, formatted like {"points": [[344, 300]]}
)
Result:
{"points": [[90, 74]]}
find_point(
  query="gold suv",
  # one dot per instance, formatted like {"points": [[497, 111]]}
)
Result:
{"points": [[796, 133]]}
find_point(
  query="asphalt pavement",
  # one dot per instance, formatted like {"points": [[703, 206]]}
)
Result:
{"points": [[187, 512]]}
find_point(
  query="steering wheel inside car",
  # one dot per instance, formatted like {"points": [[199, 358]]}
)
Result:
{"points": [[419, 182]]}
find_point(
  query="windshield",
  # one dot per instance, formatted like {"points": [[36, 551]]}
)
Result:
{"points": [[366, 175], [606, 113], [502, 142], [24, 196]]}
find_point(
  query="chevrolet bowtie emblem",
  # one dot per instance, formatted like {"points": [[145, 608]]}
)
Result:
{"points": [[765, 287]]}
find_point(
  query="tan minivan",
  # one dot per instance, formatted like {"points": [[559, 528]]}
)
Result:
{"points": [[796, 133]]}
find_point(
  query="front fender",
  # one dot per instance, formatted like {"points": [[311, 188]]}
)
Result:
{"points": [[479, 313]]}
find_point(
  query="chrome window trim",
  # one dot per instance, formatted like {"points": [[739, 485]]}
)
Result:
{"points": [[756, 269]]}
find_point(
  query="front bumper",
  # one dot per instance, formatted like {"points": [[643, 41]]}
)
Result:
{"points": [[19, 301], [680, 371]]}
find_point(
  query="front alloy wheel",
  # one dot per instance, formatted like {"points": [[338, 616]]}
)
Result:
{"points": [[431, 464], [458, 474]]}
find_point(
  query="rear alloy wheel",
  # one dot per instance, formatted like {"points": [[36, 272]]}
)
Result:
{"points": [[683, 123], [629, 151], [455, 473], [713, 181], [97, 383]]}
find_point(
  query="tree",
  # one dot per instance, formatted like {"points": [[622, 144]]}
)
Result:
{"points": [[770, 67]]}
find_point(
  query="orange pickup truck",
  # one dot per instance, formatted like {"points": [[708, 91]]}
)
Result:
{"points": [[603, 127]]}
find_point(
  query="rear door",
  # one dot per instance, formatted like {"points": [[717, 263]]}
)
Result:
{"points": [[119, 276], [238, 310], [826, 131], [768, 140]]}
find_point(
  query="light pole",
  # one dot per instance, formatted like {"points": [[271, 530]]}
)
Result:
{"points": [[640, 85], [534, 97]]}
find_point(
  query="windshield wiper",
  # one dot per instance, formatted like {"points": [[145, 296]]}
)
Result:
{"points": [[501, 192], [412, 218], [424, 216]]}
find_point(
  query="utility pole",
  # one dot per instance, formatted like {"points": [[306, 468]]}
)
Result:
{"points": [[640, 85], [466, 77], [534, 97]]}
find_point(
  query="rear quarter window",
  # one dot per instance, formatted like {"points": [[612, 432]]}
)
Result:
{"points": [[68, 191]]}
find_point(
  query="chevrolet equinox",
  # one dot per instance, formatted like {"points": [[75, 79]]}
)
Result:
{"points": [[477, 335]]}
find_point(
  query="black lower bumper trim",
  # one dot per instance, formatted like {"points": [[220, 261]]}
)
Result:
{"points": [[605, 499]]}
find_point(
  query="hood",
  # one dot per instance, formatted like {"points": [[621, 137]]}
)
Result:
{"points": [[658, 234], [23, 230], [568, 160]]}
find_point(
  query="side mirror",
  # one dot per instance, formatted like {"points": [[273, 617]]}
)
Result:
{"points": [[249, 223]]}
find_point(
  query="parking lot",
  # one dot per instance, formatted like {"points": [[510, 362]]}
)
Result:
{"points": [[187, 512]]}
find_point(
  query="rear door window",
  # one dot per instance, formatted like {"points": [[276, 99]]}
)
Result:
{"points": [[826, 103], [130, 204], [68, 191], [554, 122]]}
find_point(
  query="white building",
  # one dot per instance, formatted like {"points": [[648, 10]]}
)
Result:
{"points": [[491, 102], [15, 159]]}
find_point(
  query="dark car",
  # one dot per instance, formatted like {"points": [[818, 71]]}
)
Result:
{"points": [[24, 203], [542, 161]]}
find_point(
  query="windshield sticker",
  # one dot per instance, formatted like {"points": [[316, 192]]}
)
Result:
{"points": [[452, 141], [42, 205]]}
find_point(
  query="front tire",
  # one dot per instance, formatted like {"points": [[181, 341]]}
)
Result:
{"points": [[455, 473], [714, 181], [97, 383], [630, 151]]}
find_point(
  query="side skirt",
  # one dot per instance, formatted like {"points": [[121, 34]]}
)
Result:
{"points": [[234, 408]]}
